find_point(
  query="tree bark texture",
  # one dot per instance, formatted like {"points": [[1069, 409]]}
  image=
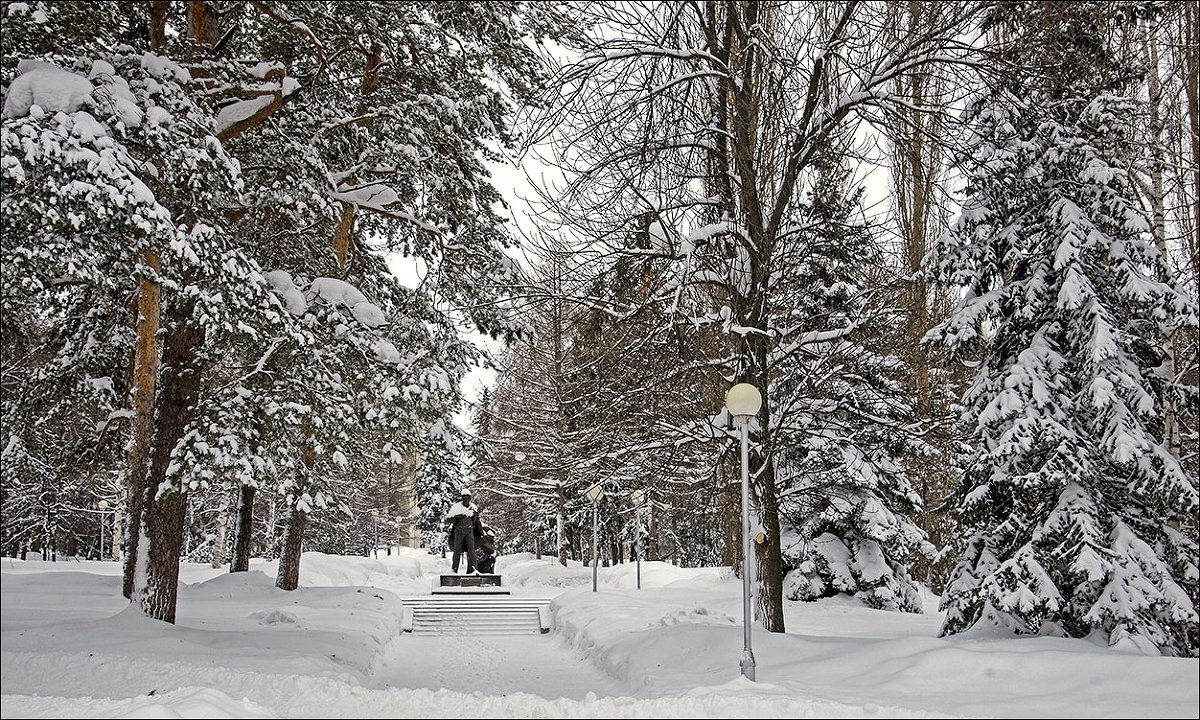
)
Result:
{"points": [[288, 577], [148, 309], [222, 522], [158, 10], [562, 522], [768, 552], [204, 27], [164, 506], [289, 558], [244, 531]]}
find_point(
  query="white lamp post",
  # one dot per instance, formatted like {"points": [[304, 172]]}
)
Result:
{"points": [[593, 494], [743, 401], [638, 497], [103, 513]]}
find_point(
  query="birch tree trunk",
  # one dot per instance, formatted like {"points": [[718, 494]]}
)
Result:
{"points": [[1189, 42], [1171, 435], [218, 546]]}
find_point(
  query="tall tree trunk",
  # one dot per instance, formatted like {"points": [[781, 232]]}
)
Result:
{"points": [[148, 313], [288, 576], [48, 524], [1189, 28], [561, 508], [766, 543], [244, 531], [918, 170], [289, 557], [273, 527], [162, 525], [158, 23], [142, 389], [118, 522], [218, 546], [1172, 437], [204, 27], [164, 506]]}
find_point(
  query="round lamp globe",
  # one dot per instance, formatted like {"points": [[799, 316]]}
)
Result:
{"points": [[743, 400]]}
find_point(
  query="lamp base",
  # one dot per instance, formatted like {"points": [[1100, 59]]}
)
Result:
{"points": [[748, 664]]}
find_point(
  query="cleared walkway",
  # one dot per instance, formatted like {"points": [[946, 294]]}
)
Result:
{"points": [[498, 665]]}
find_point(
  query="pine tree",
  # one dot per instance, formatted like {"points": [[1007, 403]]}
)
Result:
{"points": [[440, 479], [843, 491], [1070, 494], [232, 155], [113, 161]]}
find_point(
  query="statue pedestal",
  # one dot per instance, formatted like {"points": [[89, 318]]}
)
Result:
{"points": [[469, 585]]}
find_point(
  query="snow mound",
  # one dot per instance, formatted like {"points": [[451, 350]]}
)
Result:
{"points": [[283, 285], [544, 572], [275, 617], [340, 292], [47, 87], [697, 615]]}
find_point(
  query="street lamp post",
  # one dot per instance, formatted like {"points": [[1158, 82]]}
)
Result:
{"points": [[594, 493], [638, 496], [103, 513], [743, 401]]}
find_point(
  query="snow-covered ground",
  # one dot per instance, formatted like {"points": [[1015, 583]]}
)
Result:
{"points": [[71, 647]]}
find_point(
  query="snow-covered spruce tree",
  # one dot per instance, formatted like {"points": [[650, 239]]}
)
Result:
{"points": [[440, 478], [846, 500], [1071, 500]]}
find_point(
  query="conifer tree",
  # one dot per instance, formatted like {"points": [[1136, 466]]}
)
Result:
{"points": [[1071, 497], [845, 494], [440, 479], [210, 169]]}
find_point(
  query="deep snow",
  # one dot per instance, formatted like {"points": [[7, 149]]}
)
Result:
{"points": [[71, 647]]}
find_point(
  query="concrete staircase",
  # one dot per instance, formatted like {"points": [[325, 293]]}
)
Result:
{"points": [[477, 615]]}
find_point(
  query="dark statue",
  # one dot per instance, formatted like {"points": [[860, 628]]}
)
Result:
{"points": [[463, 527], [485, 545]]}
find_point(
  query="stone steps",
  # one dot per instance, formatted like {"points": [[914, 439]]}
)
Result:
{"points": [[477, 615]]}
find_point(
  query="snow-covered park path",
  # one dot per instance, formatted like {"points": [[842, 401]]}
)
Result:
{"points": [[492, 665], [496, 665], [70, 646]]}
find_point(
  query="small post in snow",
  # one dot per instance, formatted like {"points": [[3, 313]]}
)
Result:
{"points": [[638, 497], [594, 493]]}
